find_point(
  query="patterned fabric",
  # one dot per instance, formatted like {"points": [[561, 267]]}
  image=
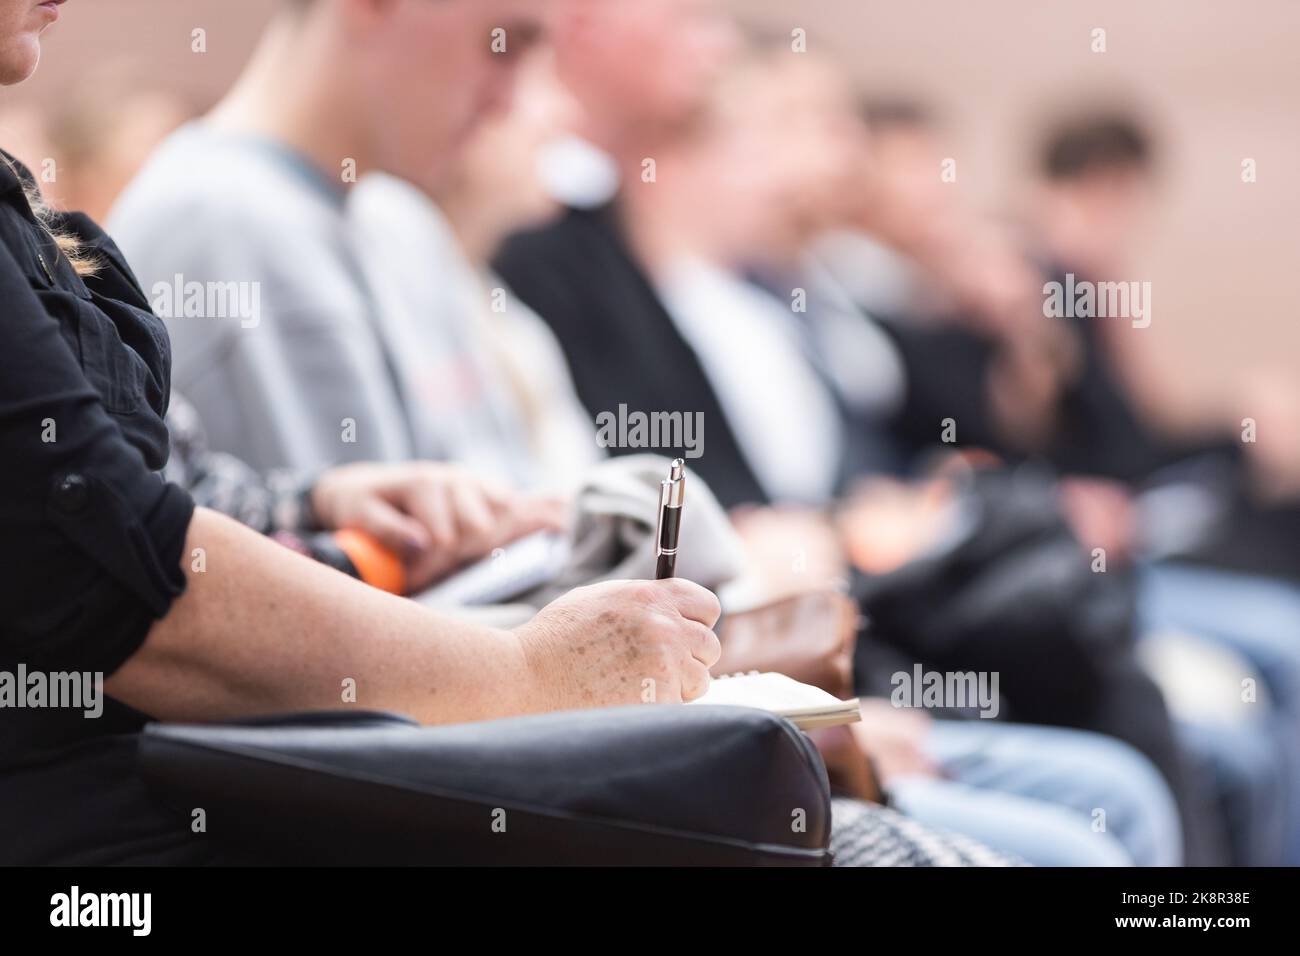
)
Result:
{"points": [[268, 503], [864, 834]]}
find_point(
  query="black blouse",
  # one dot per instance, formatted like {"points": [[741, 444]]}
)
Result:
{"points": [[90, 534]]}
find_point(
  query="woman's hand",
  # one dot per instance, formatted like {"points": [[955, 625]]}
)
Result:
{"points": [[262, 630], [435, 517], [623, 642]]}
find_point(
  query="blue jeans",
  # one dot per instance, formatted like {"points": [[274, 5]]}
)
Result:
{"points": [[1053, 797], [1242, 773], [1259, 618]]}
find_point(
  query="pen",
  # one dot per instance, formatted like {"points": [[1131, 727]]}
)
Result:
{"points": [[672, 491]]}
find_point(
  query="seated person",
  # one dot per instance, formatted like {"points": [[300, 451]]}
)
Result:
{"points": [[430, 248], [961, 298], [103, 573], [335, 366], [98, 575], [327, 350], [586, 276]]}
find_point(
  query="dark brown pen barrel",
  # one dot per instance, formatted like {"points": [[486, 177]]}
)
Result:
{"points": [[670, 522], [666, 566]]}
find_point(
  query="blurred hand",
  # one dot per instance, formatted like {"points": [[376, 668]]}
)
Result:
{"points": [[894, 737], [434, 517], [885, 523], [790, 550], [1100, 513], [623, 642]]}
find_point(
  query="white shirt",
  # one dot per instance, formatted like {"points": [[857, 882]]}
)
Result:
{"points": [[781, 412], [578, 174]]}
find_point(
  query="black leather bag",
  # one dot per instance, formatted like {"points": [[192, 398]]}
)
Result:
{"points": [[644, 785], [1014, 593]]}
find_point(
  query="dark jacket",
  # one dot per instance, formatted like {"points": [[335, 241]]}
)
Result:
{"points": [[91, 537], [621, 344]]}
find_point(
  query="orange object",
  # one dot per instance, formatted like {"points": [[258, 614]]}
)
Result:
{"points": [[377, 566]]}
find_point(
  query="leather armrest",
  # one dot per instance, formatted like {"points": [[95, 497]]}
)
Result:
{"points": [[629, 785]]}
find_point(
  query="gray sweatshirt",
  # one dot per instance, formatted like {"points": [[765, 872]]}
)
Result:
{"points": [[246, 253]]}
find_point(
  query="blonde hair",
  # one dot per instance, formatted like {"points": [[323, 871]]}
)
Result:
{"points": [[83, 263]]}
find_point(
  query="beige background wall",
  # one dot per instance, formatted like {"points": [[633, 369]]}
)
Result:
{"points": [[1222, 81]]}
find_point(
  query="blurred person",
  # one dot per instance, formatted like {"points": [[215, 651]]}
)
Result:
{"points": [[951, 288], [491, 189], [257, 183], [934, 244], [585, 276], [958, 293], [961, 304], [98, 575], [499, 189], [309, 373], [640, 73], [906, 261], [1088, 205], [767, 194], [718, 244], [1097, 183], [491, 373]]}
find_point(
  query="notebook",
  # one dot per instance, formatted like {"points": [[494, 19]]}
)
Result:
{"points": [[517, 568], [807, 707]]}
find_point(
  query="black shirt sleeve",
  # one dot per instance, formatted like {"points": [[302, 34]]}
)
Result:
{"points": [[90, 536]]}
